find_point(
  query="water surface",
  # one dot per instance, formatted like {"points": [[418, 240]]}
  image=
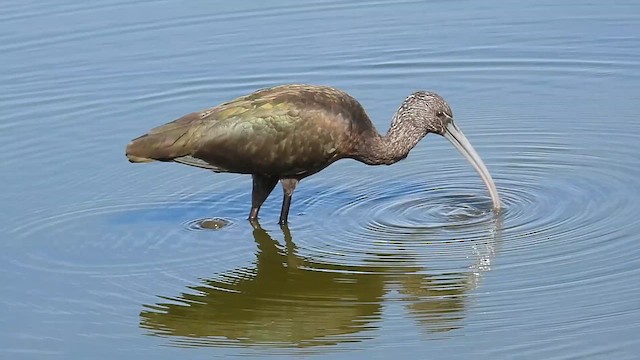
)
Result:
{"points": [[103, 259]]}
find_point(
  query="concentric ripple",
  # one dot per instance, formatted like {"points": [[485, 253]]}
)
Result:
{"points": [[566, 201]]}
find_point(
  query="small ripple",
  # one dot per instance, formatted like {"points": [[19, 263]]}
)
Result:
{"points": [[208, 224]]}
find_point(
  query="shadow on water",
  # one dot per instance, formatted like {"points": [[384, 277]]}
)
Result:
{"points": [[287, 300]]}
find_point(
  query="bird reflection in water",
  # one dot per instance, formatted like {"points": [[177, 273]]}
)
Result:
{"points": [[290, 301]]}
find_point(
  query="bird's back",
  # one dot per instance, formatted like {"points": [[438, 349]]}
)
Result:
{"points": [[290, 130]]}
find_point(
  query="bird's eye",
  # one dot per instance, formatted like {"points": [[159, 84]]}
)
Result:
{"points": [[440, 113]]}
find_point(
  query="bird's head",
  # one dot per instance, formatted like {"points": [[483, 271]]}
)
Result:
{"points": [[427, 112]]}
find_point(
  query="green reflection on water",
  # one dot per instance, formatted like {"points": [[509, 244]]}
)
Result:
{"points": [[291, 301]]}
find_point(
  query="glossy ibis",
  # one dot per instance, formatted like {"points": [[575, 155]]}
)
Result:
{"points": [[286, 133]]}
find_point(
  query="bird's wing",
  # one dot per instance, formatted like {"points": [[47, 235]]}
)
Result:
{"points": [[290, 130]]}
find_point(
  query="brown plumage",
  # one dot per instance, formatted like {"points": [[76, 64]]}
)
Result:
{"points": [[289, 132]]}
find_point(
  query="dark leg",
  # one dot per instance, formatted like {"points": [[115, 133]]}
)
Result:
{"points": [[288, 186], [262, 187]]}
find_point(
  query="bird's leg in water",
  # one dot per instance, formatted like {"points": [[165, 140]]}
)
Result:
{"points": [[288, 186], [262, 187]]}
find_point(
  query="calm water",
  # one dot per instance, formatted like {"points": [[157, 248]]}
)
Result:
{"points": [[102, 259]]}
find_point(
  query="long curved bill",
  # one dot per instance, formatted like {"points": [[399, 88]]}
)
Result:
{"points": [[457, 138]]}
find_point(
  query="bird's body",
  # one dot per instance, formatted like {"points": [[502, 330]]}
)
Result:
{"points": [[285, 133]]}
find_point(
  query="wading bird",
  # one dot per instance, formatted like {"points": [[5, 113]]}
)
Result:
{"points": [[286, 133]]}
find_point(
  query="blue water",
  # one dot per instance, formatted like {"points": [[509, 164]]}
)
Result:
{"points": [[103, 259]]}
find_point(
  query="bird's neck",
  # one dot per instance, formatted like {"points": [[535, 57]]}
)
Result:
{"points": [[392, 147]]}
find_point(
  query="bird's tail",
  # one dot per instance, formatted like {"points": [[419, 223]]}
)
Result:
{"points": [[142, 149], [166, 142]]}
